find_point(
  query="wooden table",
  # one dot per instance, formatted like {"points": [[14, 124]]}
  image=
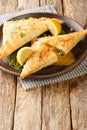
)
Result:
{"points": [[60, 106]]}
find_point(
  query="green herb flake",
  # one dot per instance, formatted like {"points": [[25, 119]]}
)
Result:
{"points": [[13, 63], [12, 60], [59, 51], [17, 67], [63, 32], [44, 35], [6, 42], [22, 34], [19, 27]]}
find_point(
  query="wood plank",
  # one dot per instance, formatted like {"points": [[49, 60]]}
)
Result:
{"points": [[56, 109], [28, 109], [78, 100], [26, 4], [76, 9], [43, 2], [7, 81], [8, 6], [57, 4], [55, 105], [28, 104], [54, 101], [7, 100]]}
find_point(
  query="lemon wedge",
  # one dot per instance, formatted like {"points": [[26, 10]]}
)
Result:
{"points": [[23, 54], [54, 26]]}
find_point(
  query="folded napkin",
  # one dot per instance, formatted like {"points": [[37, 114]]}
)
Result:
{"points": [[32, 83]]}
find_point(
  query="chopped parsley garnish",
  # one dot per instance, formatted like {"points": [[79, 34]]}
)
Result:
{"points": [[19, 27], [13, 63], [17, 67], [59, 51], [44, 35], [22, 34], [63, 32], [6, 41]]}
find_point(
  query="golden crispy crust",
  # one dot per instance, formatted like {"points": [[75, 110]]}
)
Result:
{"points": [[43, 57], [66, 42], [17, 33]]}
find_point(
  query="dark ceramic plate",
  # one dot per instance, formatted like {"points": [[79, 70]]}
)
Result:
{"points": [[80, 51]]}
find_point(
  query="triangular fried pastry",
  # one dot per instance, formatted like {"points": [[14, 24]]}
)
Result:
{"points": [[42, 57], [64, 43], [64, 60], [45, 55], [18, 33]]}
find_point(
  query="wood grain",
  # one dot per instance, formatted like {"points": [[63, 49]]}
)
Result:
{"points": [[57, 4], [28, 109], [30, 117], [8, 6], [55, 107], [77, 10], [26, 4], [78, 100], [78, 86], [7, 81], [28, 104], [7, 100]]}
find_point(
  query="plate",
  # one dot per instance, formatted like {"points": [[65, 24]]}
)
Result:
{"points": [[80, 50]]}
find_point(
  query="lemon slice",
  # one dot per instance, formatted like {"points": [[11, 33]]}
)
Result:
{"points": [[23, 54], [54, 26]]}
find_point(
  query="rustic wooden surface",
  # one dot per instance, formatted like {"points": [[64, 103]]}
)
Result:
{"points": [[60, 106]]}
